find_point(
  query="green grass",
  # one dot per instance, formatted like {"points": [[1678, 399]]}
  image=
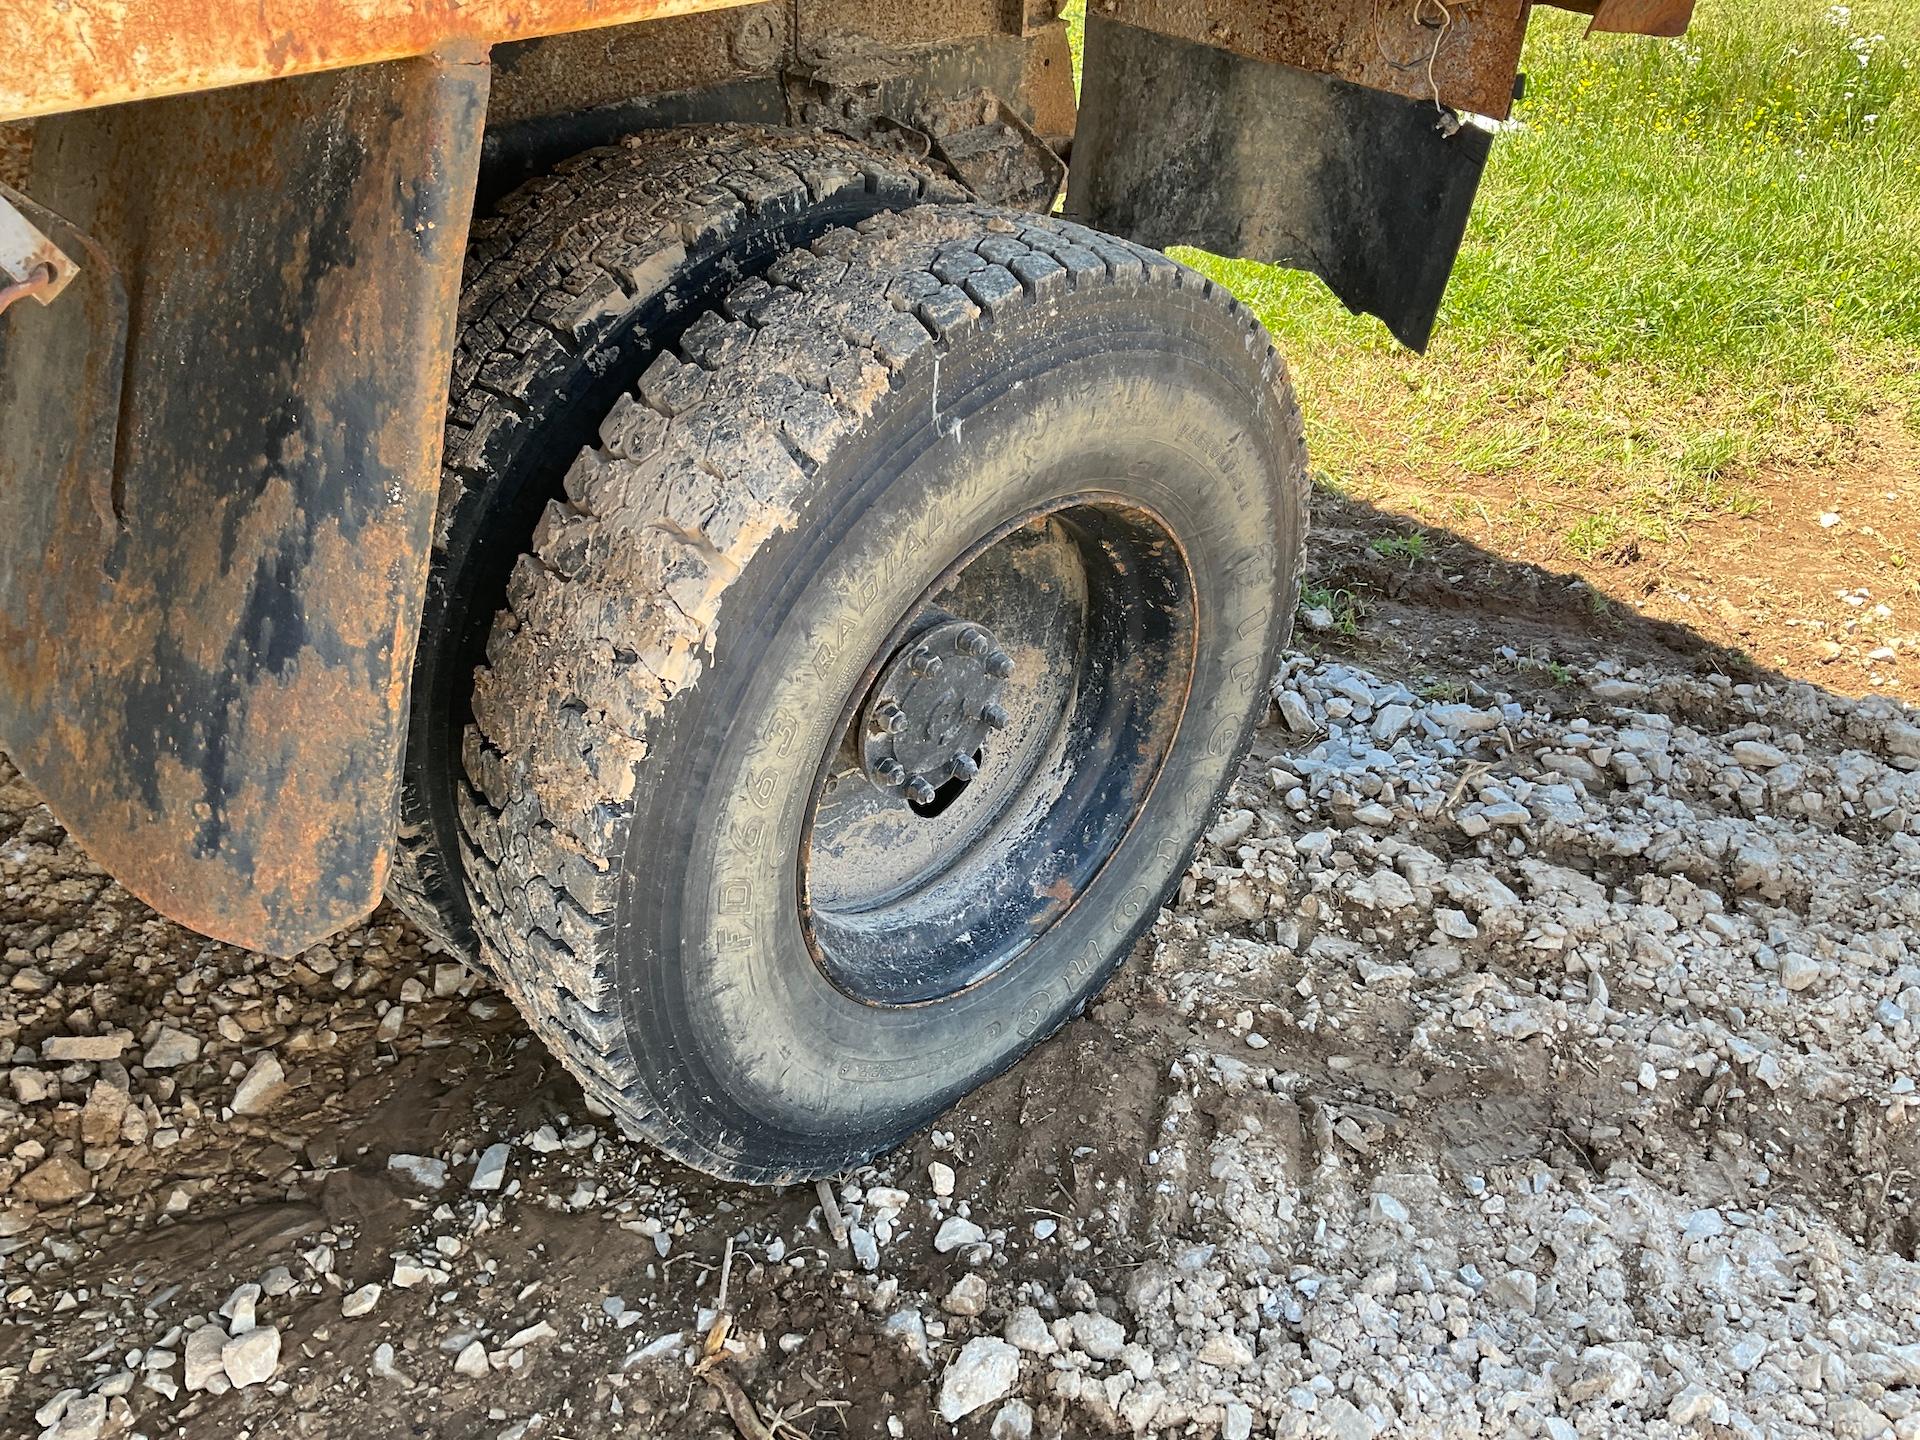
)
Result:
{"points": [[1343, 605], [1693, 262], [1410, 548]]}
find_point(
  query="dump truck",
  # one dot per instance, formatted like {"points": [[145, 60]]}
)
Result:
{"points": [[724, 513]]}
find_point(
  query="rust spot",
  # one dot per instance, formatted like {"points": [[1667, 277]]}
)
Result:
{"points": [[1060, 890]]}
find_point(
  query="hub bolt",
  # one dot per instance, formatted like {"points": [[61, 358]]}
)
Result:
{"points": [[999, 665], [972, 642], [925, 663], [993, 716], [890, 717], [892, 772], [964, 767], [919, 791]]}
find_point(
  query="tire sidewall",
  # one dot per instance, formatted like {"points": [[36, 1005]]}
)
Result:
{"points": [[1158, 395]]}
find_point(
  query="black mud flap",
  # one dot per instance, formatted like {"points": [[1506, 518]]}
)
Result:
{"points": [[1185, 144], [212, 562]]}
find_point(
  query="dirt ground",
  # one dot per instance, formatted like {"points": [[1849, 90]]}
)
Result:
{"points": [[1822, 581], [1530, 1053]]}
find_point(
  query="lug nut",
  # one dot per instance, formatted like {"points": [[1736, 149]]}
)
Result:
{"points": [[973, 642], [924, 662], [964, 767], [889, 717], [891, 772], [999, 665], [919, 791], [993, 716]]}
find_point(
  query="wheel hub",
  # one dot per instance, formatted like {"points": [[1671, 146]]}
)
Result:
{"points": [[932, 709]]}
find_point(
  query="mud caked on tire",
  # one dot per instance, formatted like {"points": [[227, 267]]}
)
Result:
{"points": [[570, 290], [862, 700]]}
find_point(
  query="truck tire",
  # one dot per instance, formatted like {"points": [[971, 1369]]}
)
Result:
{"points": [[863, 698], [569, 292]]}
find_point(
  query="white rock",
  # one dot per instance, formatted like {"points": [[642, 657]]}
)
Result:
{"points": [[1013, 1421], [82, 1418], [1517, 1289], [1238, 1422], [1604, 1373], [264, 1084], [472, 1360], [967, 1297], [203, 1357], [1295, 715], [539, 1330], [360, 1301], [490, 1170], [62, 1048], [1226, 1351], [1694, 1402], [251, 1358], [941, 1177], [425, 1171], [1798, 971], [239, 1309], [1028, 1331], [1758, 755], [170, 1049], [957, 1231], [1097, 1335], [1344, 1421], [1389, 721], [982, 1373], [1387, 1207]]}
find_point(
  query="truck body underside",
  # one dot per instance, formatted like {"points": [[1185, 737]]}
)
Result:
{"points": [[220, 453]]}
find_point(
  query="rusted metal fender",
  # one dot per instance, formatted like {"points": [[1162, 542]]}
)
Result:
{"points": [[75, 54], [211, 573]]}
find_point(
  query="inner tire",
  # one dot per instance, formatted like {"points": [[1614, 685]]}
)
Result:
{"points": [[726, 583], [570, 290]]}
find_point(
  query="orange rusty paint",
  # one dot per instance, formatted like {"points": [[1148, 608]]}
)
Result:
{"points": [[207, 677], [71, 56], [1466, 49]]}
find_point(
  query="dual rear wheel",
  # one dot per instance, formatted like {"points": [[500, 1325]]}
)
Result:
{"points": [[870, 676]]}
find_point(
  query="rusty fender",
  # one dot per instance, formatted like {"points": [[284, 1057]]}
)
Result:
{"points": [[212, 563]]}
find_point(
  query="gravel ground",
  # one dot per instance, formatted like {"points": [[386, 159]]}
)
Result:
{"points": [[1530, 1052]]}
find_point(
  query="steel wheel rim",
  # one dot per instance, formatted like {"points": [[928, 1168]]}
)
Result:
{"points": [[907, 897]]}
